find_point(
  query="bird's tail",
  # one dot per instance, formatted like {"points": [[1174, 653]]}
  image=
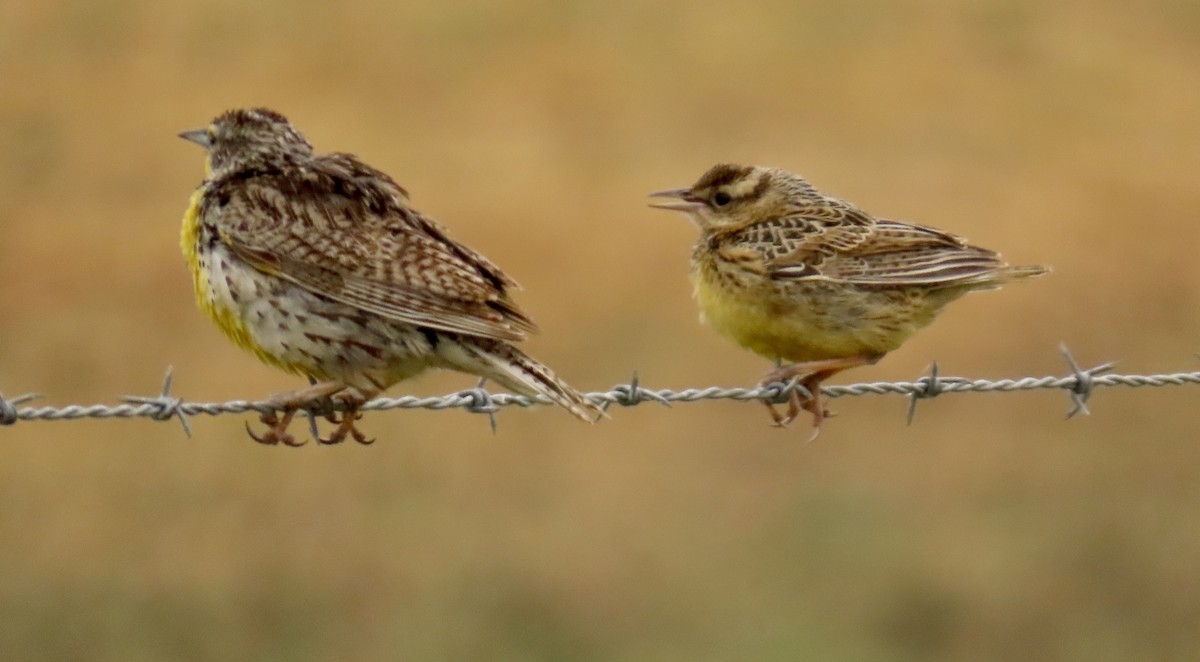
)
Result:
{"points": [[1007, 273], [998, 275], [512, 368]]}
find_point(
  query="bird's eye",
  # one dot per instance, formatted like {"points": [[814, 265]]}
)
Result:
{"points": [[721, 199]]}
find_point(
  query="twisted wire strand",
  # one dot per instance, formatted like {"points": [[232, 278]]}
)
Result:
{"points": [[1079, 385]]}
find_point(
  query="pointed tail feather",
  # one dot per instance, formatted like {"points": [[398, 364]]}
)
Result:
{"points": [[993, 278], [512, 368], [1015, 273], [1007, 274]]}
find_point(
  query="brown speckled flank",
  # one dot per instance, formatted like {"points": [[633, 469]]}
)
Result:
{"points": [[319, 266], [798, 276]]}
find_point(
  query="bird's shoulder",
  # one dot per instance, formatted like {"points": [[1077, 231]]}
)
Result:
{"points": [[806, 232], [344, 229], [360, 213], [338, 187]]}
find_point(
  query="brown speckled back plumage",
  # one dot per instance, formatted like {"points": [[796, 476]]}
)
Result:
{"points": [[340, 228]]}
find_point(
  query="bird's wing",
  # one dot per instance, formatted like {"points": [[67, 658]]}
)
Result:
{"points": [[341, 229], [838, 242]]}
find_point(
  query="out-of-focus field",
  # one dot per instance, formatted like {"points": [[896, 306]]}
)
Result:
{"points": [[1065, 134]]}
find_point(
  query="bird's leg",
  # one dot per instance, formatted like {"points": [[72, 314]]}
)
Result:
{"points": [[345, 424], [811, 374], [290, 402], [303, 397]]}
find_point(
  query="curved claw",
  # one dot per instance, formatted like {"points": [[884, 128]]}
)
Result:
{"points": [[276, 430], [345, 427], [273, 437], [336, 438], [289, 440], [339, 435], [795, 406], [265, 439]]}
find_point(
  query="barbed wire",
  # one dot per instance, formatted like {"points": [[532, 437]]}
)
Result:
{"points": [[1079, 385]]}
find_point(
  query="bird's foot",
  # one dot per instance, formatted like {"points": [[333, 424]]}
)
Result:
{"points": [[291, 402], [811, 375], [276, 432], [345, 423], [797, 402]]}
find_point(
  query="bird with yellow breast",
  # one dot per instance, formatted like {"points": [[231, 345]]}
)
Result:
{"points": [[804, 278], [318, 265]]}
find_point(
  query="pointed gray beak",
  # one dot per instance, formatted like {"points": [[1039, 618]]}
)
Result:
{"points": [[198, 136], [682, 200]]}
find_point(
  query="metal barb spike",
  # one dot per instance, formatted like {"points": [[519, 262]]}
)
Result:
{"points": [[481, 402], [8, 408], [930, 388], [1081, 390], [168, 406]]}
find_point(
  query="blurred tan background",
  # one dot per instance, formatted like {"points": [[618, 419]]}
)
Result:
{"points": [[1065, 134]]}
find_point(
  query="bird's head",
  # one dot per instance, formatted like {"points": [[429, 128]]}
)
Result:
{"points": [[729, 196], [244, 136]]}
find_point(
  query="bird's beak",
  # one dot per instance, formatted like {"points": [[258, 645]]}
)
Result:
{"points": [[198, 136], [682, 200]]}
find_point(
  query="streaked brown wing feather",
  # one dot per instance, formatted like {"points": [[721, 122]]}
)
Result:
{"points": [[341, 229], [839, 242], [430, 228]]}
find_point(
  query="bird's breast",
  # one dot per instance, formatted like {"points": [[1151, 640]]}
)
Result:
{"points": [[222, 284], [798, 322]]}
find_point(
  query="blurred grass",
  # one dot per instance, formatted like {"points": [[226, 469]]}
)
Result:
{"points": [[1063, 134]]}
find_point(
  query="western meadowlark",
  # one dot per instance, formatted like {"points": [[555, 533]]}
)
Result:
{"points": [[319, 266], [798, 276]]}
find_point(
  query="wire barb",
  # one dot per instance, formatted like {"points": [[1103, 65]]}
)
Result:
{"points": [[631, 394], [166, 406], [931, 388], [1081, 390], [8, 408], [779, 393], [481, 402], [311, 413]]}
